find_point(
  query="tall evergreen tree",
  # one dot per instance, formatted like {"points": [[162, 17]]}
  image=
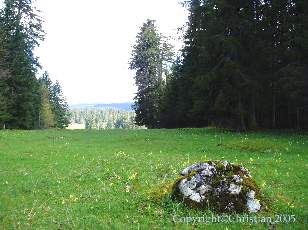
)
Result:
{"points": [[5, 115], [46, 116], [148, 60], [59, 106], [244, 66], [54, 108], [22, 33]]}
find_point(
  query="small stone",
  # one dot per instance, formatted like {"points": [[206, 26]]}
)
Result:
{"points": [[206, 169], [253, 205], [196, 197], [245, 171], [204, 188], [230, 206], [184, 188], [225, 164], [234, 188], [188, 192], [237, 179], [192, 183], [251, 194]]}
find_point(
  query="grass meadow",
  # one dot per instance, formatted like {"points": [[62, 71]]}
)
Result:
{"points": [[119, 179]]}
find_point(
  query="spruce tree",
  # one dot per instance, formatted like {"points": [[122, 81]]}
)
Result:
{"points": [[59, 106], [244, 66], [5, 115], [54, 108], [22, 32], [46, 116], [148, 60]]}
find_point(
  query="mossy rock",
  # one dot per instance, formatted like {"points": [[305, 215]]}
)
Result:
{"points": [[218, 185]]}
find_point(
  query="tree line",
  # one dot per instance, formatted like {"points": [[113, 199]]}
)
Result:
{"points": [[25, 101], [244, 66], [104, 118]]}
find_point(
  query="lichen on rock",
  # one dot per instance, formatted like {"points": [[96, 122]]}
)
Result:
{"points": [[218, 185]]}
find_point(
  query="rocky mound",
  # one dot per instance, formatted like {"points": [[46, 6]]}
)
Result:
{"points": [[218, 185]]}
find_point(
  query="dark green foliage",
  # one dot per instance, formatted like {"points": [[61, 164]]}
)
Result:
{"points": [[244, 66], [22, 96], [21, 32], [149, 59], [59, 106], [5, 115], [46, 116], [57, 102]]}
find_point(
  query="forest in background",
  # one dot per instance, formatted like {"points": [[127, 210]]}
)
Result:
{"points": [[27, 101], [104, 118], [244, 66]]}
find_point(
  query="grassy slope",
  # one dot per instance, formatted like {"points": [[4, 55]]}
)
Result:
{"points": [[101, 179]]}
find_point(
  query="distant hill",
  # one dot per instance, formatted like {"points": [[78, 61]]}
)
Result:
{"points": [[126, 106]]}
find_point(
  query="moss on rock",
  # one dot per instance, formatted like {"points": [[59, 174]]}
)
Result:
{"points": [[218, 185]]}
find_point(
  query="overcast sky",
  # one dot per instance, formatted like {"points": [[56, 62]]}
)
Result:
{"points": [[88, 43]]}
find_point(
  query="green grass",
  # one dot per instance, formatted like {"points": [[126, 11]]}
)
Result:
{"points": [[119, 179]]}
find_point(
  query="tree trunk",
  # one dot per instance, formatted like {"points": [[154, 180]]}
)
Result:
{"points": [[241, 113], [298, 118], [274, 112], [39, 120], [254, 124], [290, 120]]}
